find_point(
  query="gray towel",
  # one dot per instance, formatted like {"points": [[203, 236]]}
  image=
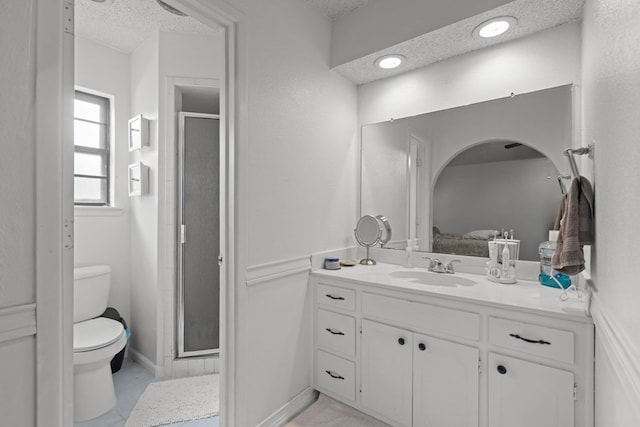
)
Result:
{"points": [[576, 228]]}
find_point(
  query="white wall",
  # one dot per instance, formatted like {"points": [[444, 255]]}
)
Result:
{"points": [[302, 136], [17, 209], [296, 184], [546, 59], [610, 70], [144, 209], [102, 234]]}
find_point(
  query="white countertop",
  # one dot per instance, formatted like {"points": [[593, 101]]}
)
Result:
{"points": [[525, 295]]}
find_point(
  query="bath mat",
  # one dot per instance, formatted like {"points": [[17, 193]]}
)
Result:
{"points": [[327, 412], [171, 401]]}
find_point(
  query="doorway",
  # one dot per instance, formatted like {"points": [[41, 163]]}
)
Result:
{"points": [[54, 139], [151, 214]]}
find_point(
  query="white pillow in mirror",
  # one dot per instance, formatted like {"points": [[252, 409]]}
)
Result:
{"points": [[480, 234]]}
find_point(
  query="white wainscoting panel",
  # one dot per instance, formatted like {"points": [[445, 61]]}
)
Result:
{"points": [[271, 271], [17, 322], [279, 340], [622, 354]]}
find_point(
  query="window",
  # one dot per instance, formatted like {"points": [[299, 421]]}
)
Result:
{"points": [[91, 150]]}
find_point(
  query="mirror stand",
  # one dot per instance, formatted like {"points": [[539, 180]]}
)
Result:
{"points": [[366, 260]]}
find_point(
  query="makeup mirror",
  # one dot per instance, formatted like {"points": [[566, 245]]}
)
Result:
{"points": [[368, 233]]}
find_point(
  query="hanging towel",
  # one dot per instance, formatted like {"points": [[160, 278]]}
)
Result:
{"points": [[576, 228]]}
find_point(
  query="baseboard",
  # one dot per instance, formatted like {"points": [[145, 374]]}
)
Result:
{"points": [[145, 363], [621, 350], [291, 409]]}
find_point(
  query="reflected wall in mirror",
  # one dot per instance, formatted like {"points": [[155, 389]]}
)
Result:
{"points": [[485, 166]]}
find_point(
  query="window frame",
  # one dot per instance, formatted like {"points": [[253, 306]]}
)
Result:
{"points": [[104, 153]]}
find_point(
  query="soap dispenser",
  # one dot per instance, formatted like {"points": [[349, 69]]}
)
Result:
{"points": [[409, 251]]}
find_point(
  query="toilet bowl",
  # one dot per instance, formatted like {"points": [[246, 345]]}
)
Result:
{"points": [[96, 340]]}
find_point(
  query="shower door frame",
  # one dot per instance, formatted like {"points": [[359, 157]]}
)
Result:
{"points": [[181, 232]]}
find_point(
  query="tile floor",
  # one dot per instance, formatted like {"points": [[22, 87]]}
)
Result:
{"points": [[130, 382]]}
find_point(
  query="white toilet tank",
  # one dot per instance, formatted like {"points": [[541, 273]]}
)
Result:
{"points": [[91, 287]]}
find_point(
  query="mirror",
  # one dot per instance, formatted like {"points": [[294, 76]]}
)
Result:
{"points": [[368, 233], [468, 171]]}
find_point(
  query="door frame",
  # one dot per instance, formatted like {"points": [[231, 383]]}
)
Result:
{"points": [[54, 83]]}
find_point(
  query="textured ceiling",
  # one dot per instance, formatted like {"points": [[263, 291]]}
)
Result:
{"points": [[124, 24], [337, 8], [456, 39]]}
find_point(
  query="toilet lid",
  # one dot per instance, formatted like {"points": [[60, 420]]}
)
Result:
{"points": [[95, 333]]}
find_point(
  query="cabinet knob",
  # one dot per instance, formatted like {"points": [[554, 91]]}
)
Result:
{"points": [[422, 346], [401, 341], [502, 370]]}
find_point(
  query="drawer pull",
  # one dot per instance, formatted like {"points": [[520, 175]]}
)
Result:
{"points": [[336, 298], [516, 336], [422, 346], [401, 341], [336, 376], [502, 370], [331, 331]]}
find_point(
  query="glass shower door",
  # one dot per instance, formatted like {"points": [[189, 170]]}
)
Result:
{"points": [[198, 234]]}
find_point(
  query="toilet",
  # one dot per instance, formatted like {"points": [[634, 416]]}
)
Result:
{"points": [[96, 340]]}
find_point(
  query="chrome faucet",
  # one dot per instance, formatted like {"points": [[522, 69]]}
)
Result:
{"points": [[438, 266]]}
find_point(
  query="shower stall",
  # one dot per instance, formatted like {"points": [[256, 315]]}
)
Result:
{"points": [[198, 234]]}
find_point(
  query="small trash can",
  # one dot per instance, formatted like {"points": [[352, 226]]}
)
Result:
{"points": [[116, 362]]}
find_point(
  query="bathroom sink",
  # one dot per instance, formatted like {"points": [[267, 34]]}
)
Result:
{"points": [[433, 279]]}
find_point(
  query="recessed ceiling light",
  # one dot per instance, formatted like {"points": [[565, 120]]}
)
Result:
{"points": [[388, 62], [494, 27]]}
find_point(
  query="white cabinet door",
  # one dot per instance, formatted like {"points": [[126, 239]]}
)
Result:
{"points": [[445, 383], [526, 394], [386, 371]]}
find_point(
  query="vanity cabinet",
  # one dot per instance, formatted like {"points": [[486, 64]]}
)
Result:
{"points": [[416, 358], [418, 380], [525, 394]]}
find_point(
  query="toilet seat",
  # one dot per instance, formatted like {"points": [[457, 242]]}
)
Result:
{"points": [[95, 333]]}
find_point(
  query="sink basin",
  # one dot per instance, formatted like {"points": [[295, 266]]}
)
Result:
{"points": [[433, 279]]}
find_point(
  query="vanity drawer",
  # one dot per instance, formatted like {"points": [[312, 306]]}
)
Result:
{"points": [[334, 296], [336, 332], [423, 317], [335, 375], [551, 343]]}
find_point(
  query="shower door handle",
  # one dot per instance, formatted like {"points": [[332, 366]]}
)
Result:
{"points": [[183, 233]]}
